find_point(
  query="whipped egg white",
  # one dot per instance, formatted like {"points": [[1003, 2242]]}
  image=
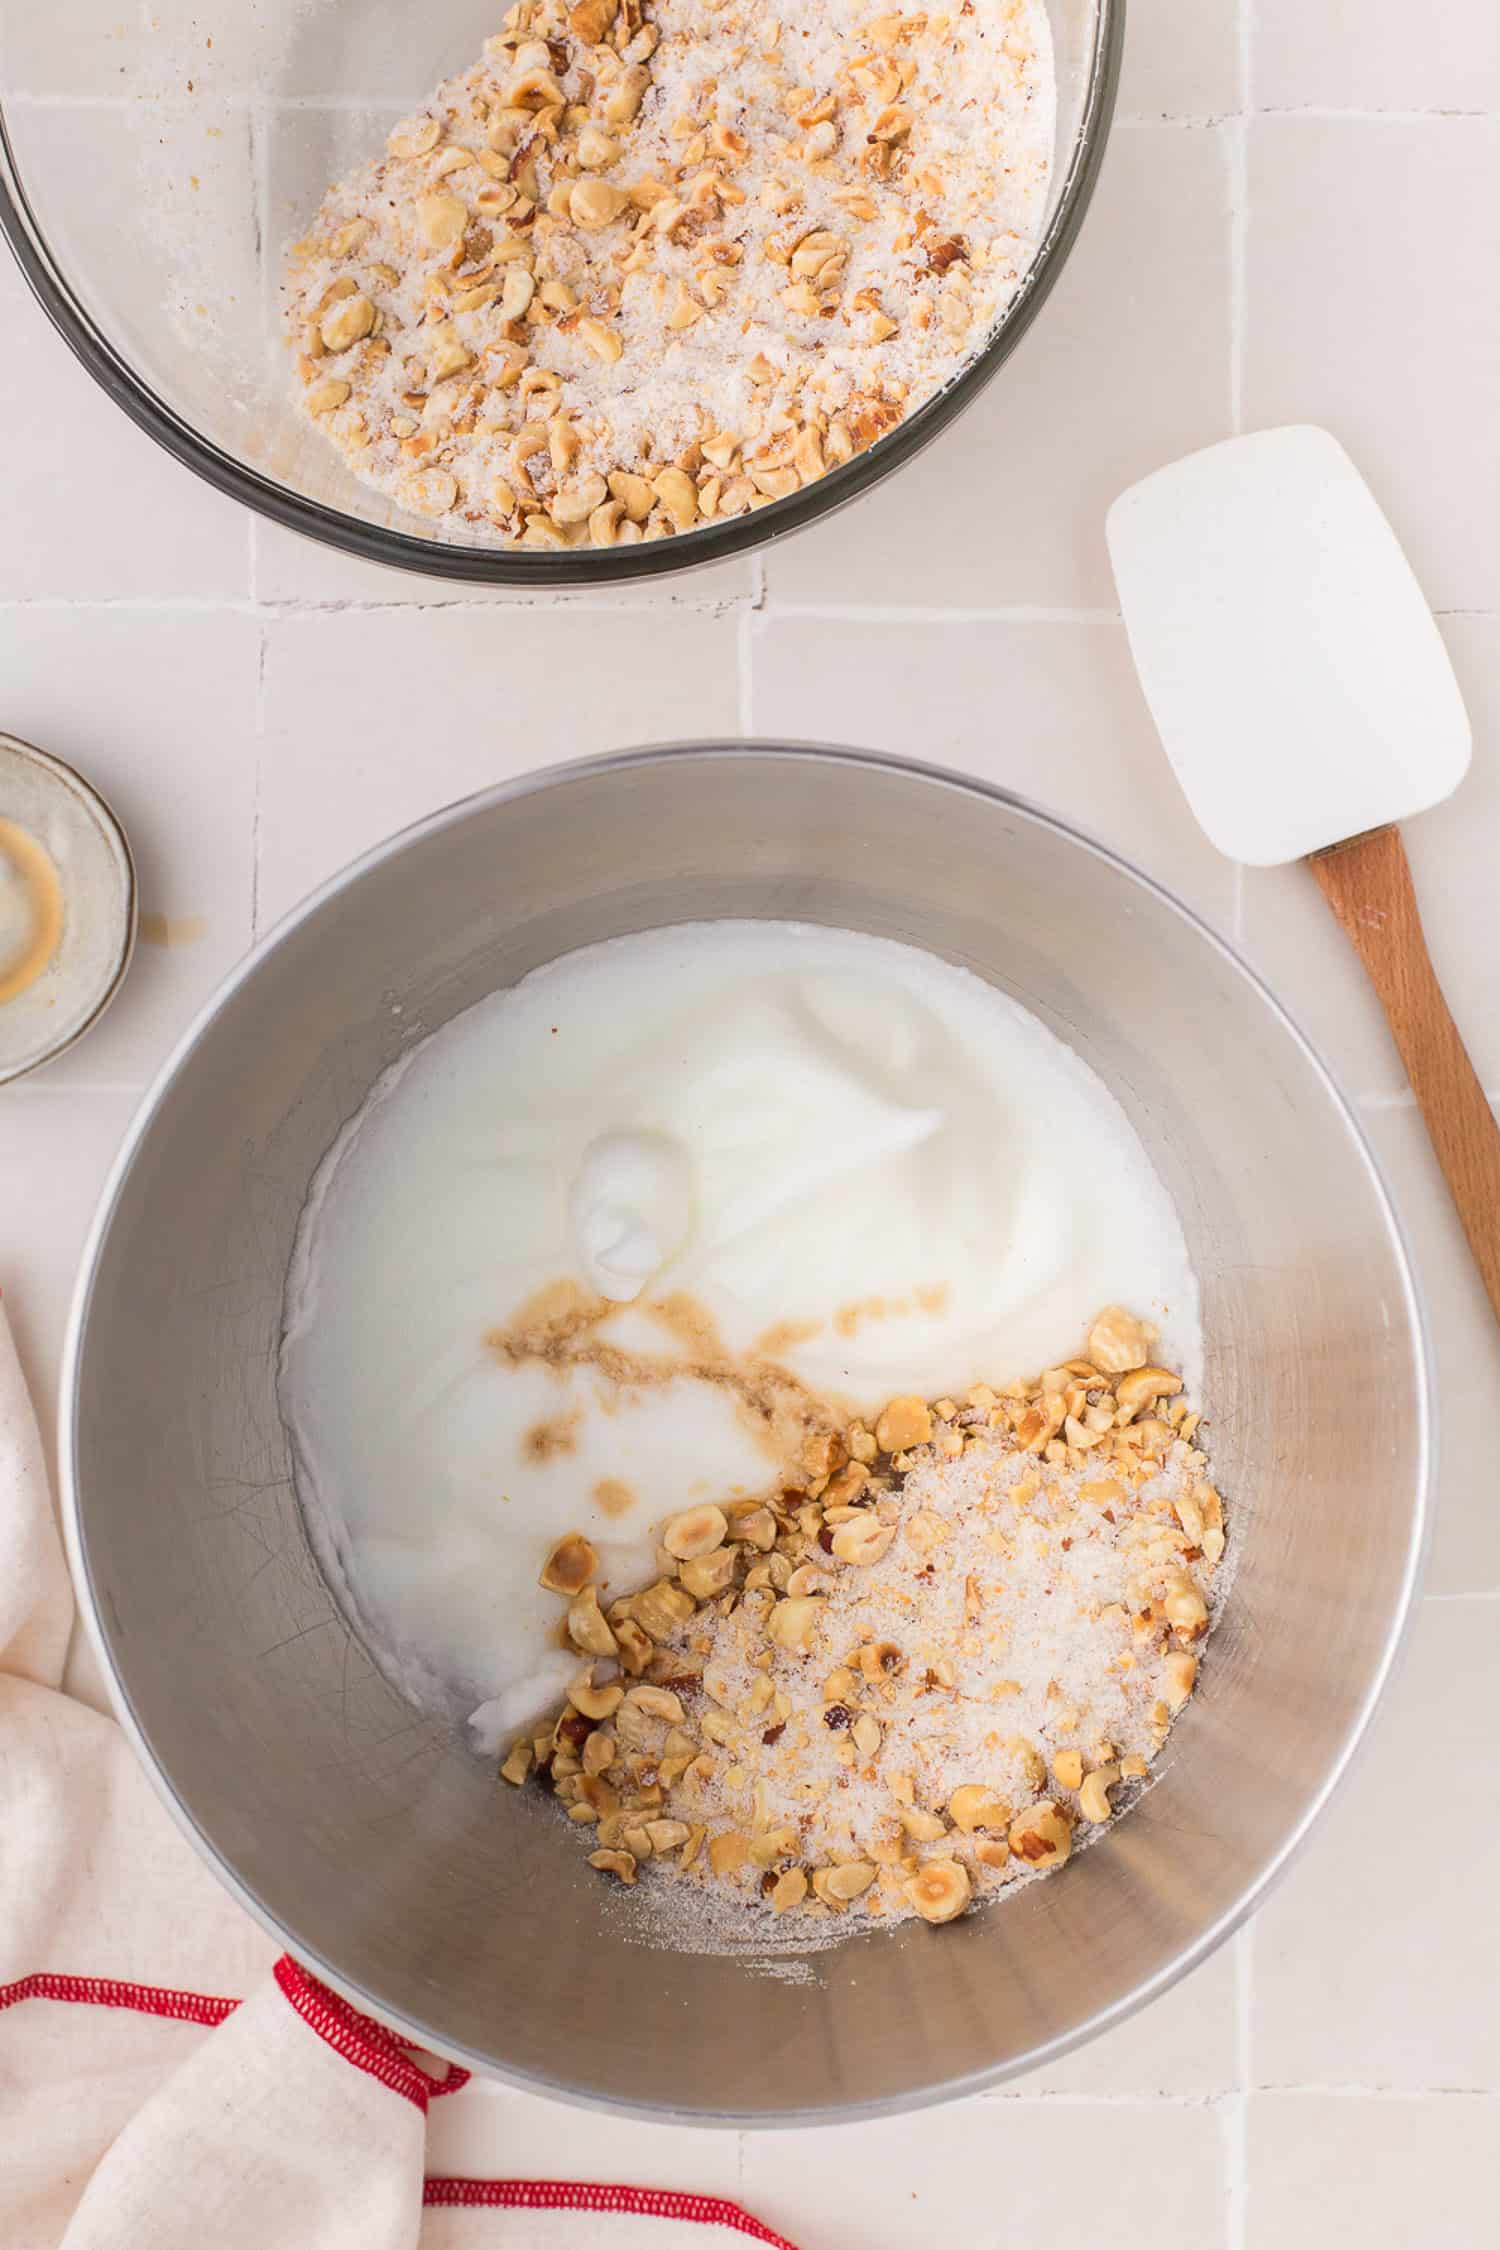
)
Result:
{"points": [[842, 1154]]}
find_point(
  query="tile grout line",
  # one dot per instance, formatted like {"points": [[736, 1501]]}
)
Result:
{"points": [[994, 2096], [1058, 2097], [1237, 157], [260, 187], [744, 635], [260, 180], [1235, 2114], [1231, 2116], [1181, 121], [744, 713], [260, 759], [497, 2089], [874, 613], [1318, 113], [1312, 113], [1245, 56], [913, 613], [1218, 2104], [1237, 152], [297, 609], [1294, 2092]]}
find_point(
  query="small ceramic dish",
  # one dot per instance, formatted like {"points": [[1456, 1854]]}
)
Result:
{"points": [[67, 907]]}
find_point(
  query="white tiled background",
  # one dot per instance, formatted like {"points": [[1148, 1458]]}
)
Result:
{"points": [[1299, 217]]}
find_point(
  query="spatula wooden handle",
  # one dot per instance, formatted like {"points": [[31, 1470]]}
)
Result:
{"points": [[1368, 884]]}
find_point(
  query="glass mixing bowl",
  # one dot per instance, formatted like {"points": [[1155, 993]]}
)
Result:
{"points": [[154, 163]]}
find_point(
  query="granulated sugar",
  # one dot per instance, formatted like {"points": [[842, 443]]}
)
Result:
{"points": [[739, 243], [997, 1631], [915, 1682]]}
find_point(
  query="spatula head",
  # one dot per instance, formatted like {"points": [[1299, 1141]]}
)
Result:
{"points": [[1296, 676]]}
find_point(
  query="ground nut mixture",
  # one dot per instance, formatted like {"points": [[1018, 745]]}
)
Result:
{"points": [[917, 1677], [640, 269]]}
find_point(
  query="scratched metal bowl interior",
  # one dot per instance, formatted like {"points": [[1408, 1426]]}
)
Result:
{"points": [[155, 162], [379, 1848]]}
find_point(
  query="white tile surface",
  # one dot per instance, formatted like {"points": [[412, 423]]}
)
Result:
{"points": [[1186, 2045], [991, 2173], [1128, 365], [147, 530], [1072, 732], [56, 1146], [373, 720], [1373, 54], [162, 718], [1288, 933], [1386, 2174], [1371, 247], [1466, 1541], [1182, 58], [256, 731], [1377, 1962], [494, 2129]]}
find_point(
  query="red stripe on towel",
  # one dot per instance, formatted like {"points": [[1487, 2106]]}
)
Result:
{"points": [[113, 1992], [360, 2039], [575, 2195]]}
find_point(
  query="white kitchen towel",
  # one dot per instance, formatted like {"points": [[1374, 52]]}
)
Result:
{"points": [[166, 2083]]}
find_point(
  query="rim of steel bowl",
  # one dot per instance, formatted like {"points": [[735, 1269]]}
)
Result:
{"points": [[508, 566], [1256, 1887]]}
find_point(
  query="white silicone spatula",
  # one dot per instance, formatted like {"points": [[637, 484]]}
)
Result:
{"points": [[1306, 701]]}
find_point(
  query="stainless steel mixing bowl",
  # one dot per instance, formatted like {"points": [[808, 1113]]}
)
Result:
{"points": [[382, 1853], [155, 162]]}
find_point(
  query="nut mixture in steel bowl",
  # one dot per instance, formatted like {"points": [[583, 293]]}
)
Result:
{"points": [[915, 1678], [636, 271]]}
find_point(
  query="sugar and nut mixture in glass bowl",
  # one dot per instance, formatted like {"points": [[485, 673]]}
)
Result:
{"points": [[157, 165], [914, 1679], [638, 271]]}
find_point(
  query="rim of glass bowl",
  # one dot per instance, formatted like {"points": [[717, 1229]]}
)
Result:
{"points": [[584, 566]]}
